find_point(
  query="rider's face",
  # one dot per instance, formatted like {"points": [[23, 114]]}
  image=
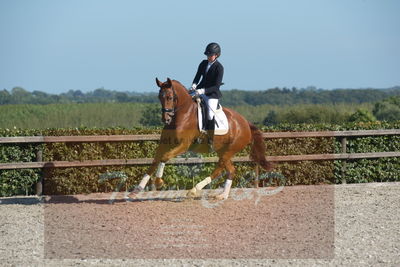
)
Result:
{"points": [[212, 58]]}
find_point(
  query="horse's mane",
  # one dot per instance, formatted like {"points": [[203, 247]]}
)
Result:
{"points": [[181, 85]]}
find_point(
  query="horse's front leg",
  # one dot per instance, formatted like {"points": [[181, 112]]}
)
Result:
{"points": [[163, 154], [156, 165], [172, 153]]}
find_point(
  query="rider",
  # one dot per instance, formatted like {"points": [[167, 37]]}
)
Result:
{"points": [[211, 71]]}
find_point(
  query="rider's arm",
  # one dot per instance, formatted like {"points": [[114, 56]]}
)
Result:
{"points": [[200, 71]]}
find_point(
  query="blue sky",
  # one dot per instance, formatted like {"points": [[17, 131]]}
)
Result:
{"points": [[57, 45]]}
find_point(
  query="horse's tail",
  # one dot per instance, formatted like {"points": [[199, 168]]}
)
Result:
{"points": [[257, 153]]}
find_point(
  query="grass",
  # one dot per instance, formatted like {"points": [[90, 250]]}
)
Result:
{"points": [[103, 115]]}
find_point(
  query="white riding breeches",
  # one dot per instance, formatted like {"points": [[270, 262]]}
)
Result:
{"points": [[212, 104]]}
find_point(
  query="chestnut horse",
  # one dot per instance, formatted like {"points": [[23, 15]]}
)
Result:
{"points": [[179, 113]]}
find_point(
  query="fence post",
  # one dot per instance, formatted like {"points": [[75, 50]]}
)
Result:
{"points": [[256, 179], [344, 151], [39, 184]]}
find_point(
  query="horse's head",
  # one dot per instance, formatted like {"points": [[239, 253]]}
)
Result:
{"points": [[168, 99]]}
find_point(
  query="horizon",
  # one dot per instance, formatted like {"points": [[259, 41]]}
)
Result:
{"points": [[308, 88], [56, 46]]}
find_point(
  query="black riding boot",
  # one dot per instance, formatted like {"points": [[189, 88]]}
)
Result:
{"points": [[210, 132]]}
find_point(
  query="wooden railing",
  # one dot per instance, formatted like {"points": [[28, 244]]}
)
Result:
{"points": [[343, 135]]}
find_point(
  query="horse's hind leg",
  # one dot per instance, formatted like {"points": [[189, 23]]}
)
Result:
{"points": [[222, 164], [228, 183], [195, 191]]}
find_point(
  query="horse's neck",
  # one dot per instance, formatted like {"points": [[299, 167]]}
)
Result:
{"points": [[186, 106], [184, 99]]}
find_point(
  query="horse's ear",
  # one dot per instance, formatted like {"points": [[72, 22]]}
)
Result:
{"points": [[158, 83], [169, 82]]}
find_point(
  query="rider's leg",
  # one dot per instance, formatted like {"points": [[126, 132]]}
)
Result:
{"points": [[212, 104]]}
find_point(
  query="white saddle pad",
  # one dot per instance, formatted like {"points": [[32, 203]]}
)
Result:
{"points": [[221, 121]]}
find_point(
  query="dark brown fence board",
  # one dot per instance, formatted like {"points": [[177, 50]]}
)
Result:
{"points": [[274, 135], [156, 137], [147, 161], [79, 138]]}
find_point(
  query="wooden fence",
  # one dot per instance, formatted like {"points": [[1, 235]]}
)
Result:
{"points": [[342, 135]]}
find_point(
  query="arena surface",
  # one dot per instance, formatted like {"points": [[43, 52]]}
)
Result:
{"points": [[313, 225]]}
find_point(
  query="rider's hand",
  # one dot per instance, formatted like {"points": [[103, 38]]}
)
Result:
{"points": [[201, 91], [194, 94], [192, 90]]}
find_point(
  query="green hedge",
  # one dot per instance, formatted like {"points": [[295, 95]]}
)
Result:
{"points": [[358, 170], [18, 182], [85, 179]]}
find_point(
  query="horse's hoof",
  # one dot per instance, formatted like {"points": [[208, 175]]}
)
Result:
{"points": [[193, 193], [221, 197], [159, 183]]}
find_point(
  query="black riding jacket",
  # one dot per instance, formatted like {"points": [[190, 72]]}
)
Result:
{"points": [[212, 80]]}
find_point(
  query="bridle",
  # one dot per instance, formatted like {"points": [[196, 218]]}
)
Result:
{"points": [[170, 111]]}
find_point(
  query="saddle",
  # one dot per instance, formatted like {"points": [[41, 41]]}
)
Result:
{"points": [[221, 121]]}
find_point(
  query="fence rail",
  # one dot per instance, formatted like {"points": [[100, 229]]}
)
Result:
{"points": [[147, 161], [156, 137], [343, 135]]}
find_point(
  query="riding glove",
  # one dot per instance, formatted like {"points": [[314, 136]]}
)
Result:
{"points": [[201, 91]]}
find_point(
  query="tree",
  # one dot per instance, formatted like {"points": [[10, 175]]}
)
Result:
{"points": [[362, 115], [20, 95], [388, 109], [39, 97], [121, 97], [271, 119], [102, 93], [5, 97], [151, 116]]}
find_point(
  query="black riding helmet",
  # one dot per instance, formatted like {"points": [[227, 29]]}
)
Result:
{"points": [[213, 48]]}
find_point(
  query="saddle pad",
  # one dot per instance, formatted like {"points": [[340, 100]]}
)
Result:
{"points": [[221, 121]]}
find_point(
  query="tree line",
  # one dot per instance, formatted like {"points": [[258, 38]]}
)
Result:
{"points": [[104, 108], [273, 96], [19, 95]]}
